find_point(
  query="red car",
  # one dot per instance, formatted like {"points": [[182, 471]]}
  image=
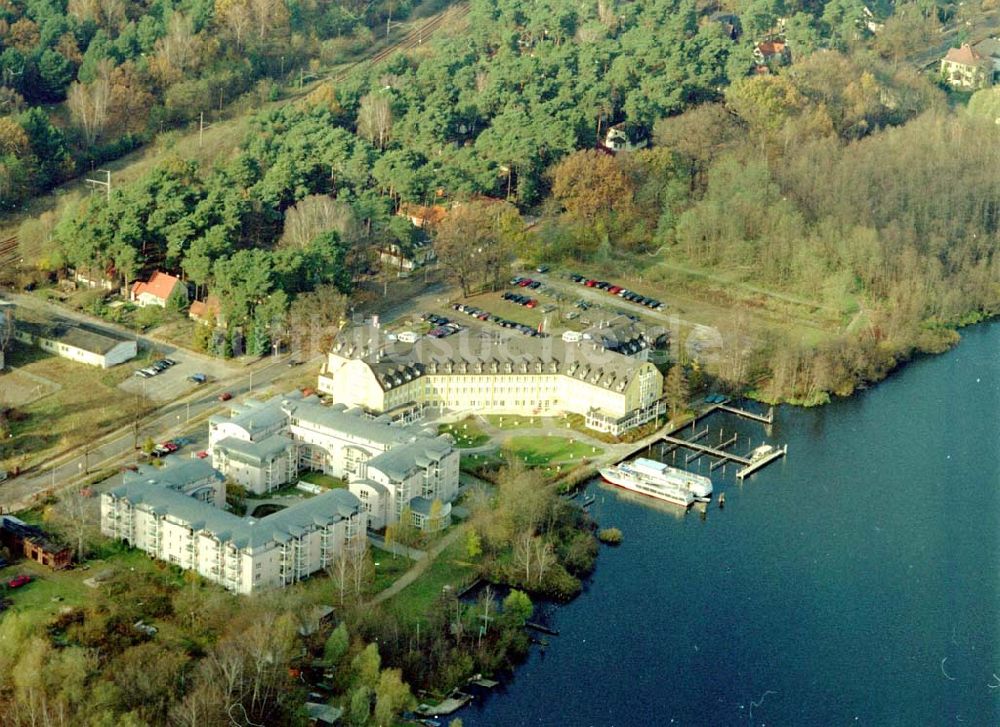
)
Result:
{"points": [[531, 303], [18, 581], [225, 396], [614, 290], [525, 283], [590, 283], [201, 455], [170, 447]]}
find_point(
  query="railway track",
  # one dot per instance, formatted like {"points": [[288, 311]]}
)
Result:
{"points": [[10, 254], [411, 40]]}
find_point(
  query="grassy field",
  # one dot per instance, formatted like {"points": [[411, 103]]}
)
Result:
{"points": [[451, 568], [466, 433], [51, 591], [87, 402], [388, 568], [543, 451]]}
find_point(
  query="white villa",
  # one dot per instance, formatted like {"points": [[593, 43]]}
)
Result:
{"points": [[609, 381], [263, 445]]}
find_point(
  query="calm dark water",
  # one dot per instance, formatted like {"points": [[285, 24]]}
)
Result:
{"points": [[828, 590]]}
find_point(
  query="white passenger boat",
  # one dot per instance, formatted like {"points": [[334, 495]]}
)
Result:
{"points": [[659, 480]]}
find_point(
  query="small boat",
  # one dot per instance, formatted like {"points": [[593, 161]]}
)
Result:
{"points": [[761, 452], [722, 500]]}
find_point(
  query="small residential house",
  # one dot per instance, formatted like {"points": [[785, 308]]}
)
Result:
{"points": [[422, 216], [208, 311], [158, 290], [620, 137], [33, 543], [94, 279], [421, 252], [967, 68], [77, 341], [771, 51]]}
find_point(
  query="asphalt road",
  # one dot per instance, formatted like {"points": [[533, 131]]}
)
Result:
{"points": [[22, 491]]}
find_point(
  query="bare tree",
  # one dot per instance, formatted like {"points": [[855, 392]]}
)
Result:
{"points": [[75, 516], [375, 118], [88, 103], [316, 214]]}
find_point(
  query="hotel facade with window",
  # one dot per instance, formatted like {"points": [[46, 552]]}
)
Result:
{"points": [[487, 374]]}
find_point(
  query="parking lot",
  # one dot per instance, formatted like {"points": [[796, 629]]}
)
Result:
{"points": [[174, 382]]}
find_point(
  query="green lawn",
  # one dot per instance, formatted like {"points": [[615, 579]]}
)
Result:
{"points": [[451, 568], [318, 478], [541, 451], [466, 433], [513, 421], [388, 568]]}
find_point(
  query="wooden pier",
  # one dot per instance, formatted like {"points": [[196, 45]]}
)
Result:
{"points": [[702, 449], [688, 459], [756, 464], [762, 418]]}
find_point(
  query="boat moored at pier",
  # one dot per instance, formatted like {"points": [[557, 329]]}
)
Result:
{"points": [[659, 480]]}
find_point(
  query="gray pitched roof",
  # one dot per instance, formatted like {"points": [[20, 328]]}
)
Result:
{"points": [[70, 333], [176, 474], [279, 527], [255, 416], [310, 411], [255, 452], [401, 461]]}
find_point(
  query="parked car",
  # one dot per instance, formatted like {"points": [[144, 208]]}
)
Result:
{"points": [[18, 581], [225, 396], [201, 455], [198, 378], [171, 447], [3, 475], [141, 374], [542, 269]]}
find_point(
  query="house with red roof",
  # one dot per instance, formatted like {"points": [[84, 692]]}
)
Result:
{"points": [[967, 68], [208, 311], [158, 290]]}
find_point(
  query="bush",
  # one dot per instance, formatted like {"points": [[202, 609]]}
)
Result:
{"points": [[610, 536]]}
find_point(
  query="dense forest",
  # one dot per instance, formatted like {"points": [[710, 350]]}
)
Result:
{"points": [[82, 81], [837, 172]]}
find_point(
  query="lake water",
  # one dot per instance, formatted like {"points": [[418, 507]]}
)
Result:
{"points": [[857, 581]]}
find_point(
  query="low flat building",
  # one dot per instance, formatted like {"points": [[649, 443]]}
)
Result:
{"points": [[77, 341], [244, 555], [490, 373]]}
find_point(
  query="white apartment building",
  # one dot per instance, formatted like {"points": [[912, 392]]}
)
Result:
{"points": [[243, 555], [262, 445], [487, 373]]}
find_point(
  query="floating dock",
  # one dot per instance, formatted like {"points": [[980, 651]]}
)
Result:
{"points": [[756, 464]]}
